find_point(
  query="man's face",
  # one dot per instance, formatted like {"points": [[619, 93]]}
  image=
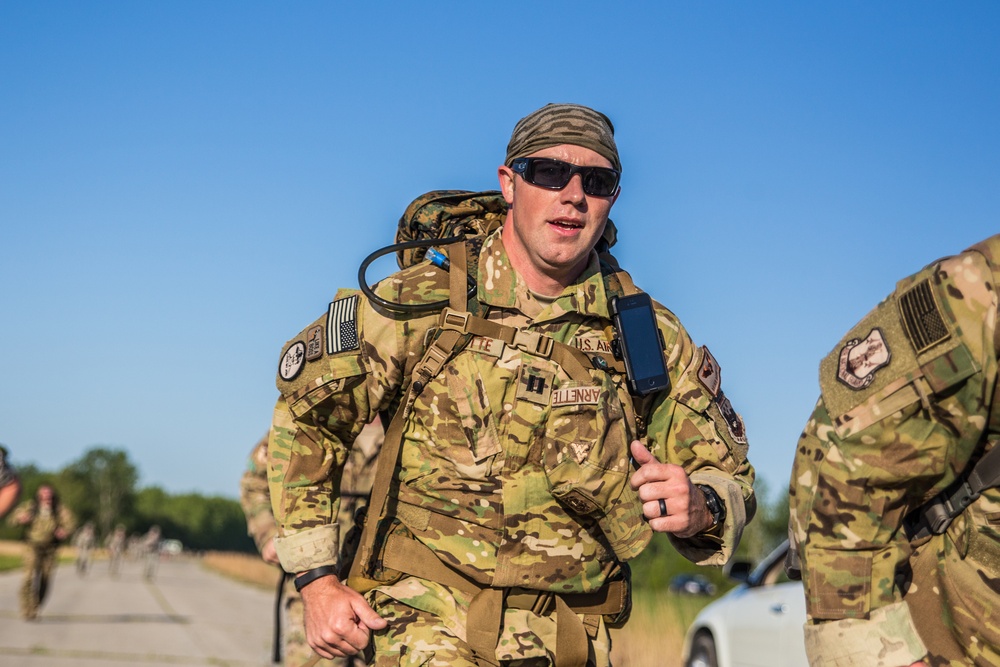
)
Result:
{"points": [[45, 494], [549, 234]]}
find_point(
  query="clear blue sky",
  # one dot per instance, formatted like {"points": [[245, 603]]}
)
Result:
{"points": [[184, 185]]}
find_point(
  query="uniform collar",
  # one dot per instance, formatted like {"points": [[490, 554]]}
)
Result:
{"points": [[500, 286]]}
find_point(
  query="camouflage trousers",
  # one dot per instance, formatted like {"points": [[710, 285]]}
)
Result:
{"points": [[38, 562], [421, 638], [955, 597]]}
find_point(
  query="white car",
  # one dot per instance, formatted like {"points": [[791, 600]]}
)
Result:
{"points": [[757, 624]]}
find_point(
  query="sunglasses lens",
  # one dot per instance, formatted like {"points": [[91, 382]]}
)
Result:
{"points": [[549, 173], [600, 182]]}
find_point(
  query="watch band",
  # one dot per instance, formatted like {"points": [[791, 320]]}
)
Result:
{"points": [[309, 576]]}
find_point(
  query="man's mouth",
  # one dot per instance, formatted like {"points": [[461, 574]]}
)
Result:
{"points": [[567, 224]]}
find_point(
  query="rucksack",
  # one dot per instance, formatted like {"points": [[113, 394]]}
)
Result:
{"points": [[442, 214]]}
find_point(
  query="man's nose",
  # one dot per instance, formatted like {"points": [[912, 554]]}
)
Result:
{"points": [[573, 192]]}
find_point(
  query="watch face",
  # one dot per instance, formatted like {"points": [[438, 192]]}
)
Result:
{"points": [[712, 502]]}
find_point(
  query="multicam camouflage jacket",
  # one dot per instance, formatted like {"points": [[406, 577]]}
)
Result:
{"points": [[907, 405], [498, 433]]}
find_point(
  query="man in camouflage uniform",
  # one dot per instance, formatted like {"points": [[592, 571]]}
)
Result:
{"points": [[10, 484], [355, 486], [908, 406], [513, 502], [47, 523]]}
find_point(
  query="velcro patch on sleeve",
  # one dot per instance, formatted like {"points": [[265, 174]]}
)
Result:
{"points": [[292, 361], [314, 343], [871, 356], [861, 358], [709, 372], [342, 325], [734, 422], [921, 317]]}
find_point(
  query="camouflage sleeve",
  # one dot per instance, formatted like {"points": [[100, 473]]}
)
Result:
{"points": [[333, 379], [255, 499], [21, 513], [696, 427], [902, 409]]}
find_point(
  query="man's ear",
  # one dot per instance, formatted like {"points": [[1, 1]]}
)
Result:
{"points": [[506, 176]]}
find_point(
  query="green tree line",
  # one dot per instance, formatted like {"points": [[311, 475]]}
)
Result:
{"points": [[102, 487]]}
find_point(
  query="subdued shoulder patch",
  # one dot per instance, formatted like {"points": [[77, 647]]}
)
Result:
{"points": [[342, 325], [860, 359], [709, 372], [921, 317], [314, 343], [292, 361], [734, 422]]}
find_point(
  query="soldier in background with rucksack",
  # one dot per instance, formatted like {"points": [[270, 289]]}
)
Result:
{"points": [[47, 524], [525, 462]]}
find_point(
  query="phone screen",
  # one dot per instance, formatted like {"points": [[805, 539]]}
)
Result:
{"points": [[641, 343]]}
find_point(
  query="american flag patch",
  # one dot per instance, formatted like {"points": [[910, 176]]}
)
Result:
{"points": [[342, 325]]}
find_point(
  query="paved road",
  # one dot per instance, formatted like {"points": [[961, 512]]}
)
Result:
{"points": [[186, 616]]}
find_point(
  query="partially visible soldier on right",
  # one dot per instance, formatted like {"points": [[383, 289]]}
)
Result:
{"points": [[895, 505], [356, 484]]}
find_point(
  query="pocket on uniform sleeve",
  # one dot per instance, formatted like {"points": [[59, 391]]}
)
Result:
{"points": [[838, 583]]}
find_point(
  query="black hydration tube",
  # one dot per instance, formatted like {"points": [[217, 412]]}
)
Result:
{"points": [[436, 258]]}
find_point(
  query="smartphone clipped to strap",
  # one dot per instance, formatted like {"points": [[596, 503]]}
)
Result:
{"points": [[639, 343]]}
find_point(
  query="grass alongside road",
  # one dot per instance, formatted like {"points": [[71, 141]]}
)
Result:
{"points": [[242, 567]]}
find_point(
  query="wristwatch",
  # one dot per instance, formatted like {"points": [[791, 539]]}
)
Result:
{"points": [[714, 504]]}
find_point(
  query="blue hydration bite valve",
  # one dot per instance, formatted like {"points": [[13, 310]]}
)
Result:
{"points": [[437, 258]]}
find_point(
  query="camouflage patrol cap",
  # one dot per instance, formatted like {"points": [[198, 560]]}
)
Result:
{"points": [[556, 124]]}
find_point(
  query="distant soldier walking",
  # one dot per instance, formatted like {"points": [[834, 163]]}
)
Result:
{"points": [[150, 549], [116, 549], [48, 523], [84, 543]]}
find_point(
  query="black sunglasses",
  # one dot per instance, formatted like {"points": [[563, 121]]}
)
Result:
{"points": [[556, 174]]}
